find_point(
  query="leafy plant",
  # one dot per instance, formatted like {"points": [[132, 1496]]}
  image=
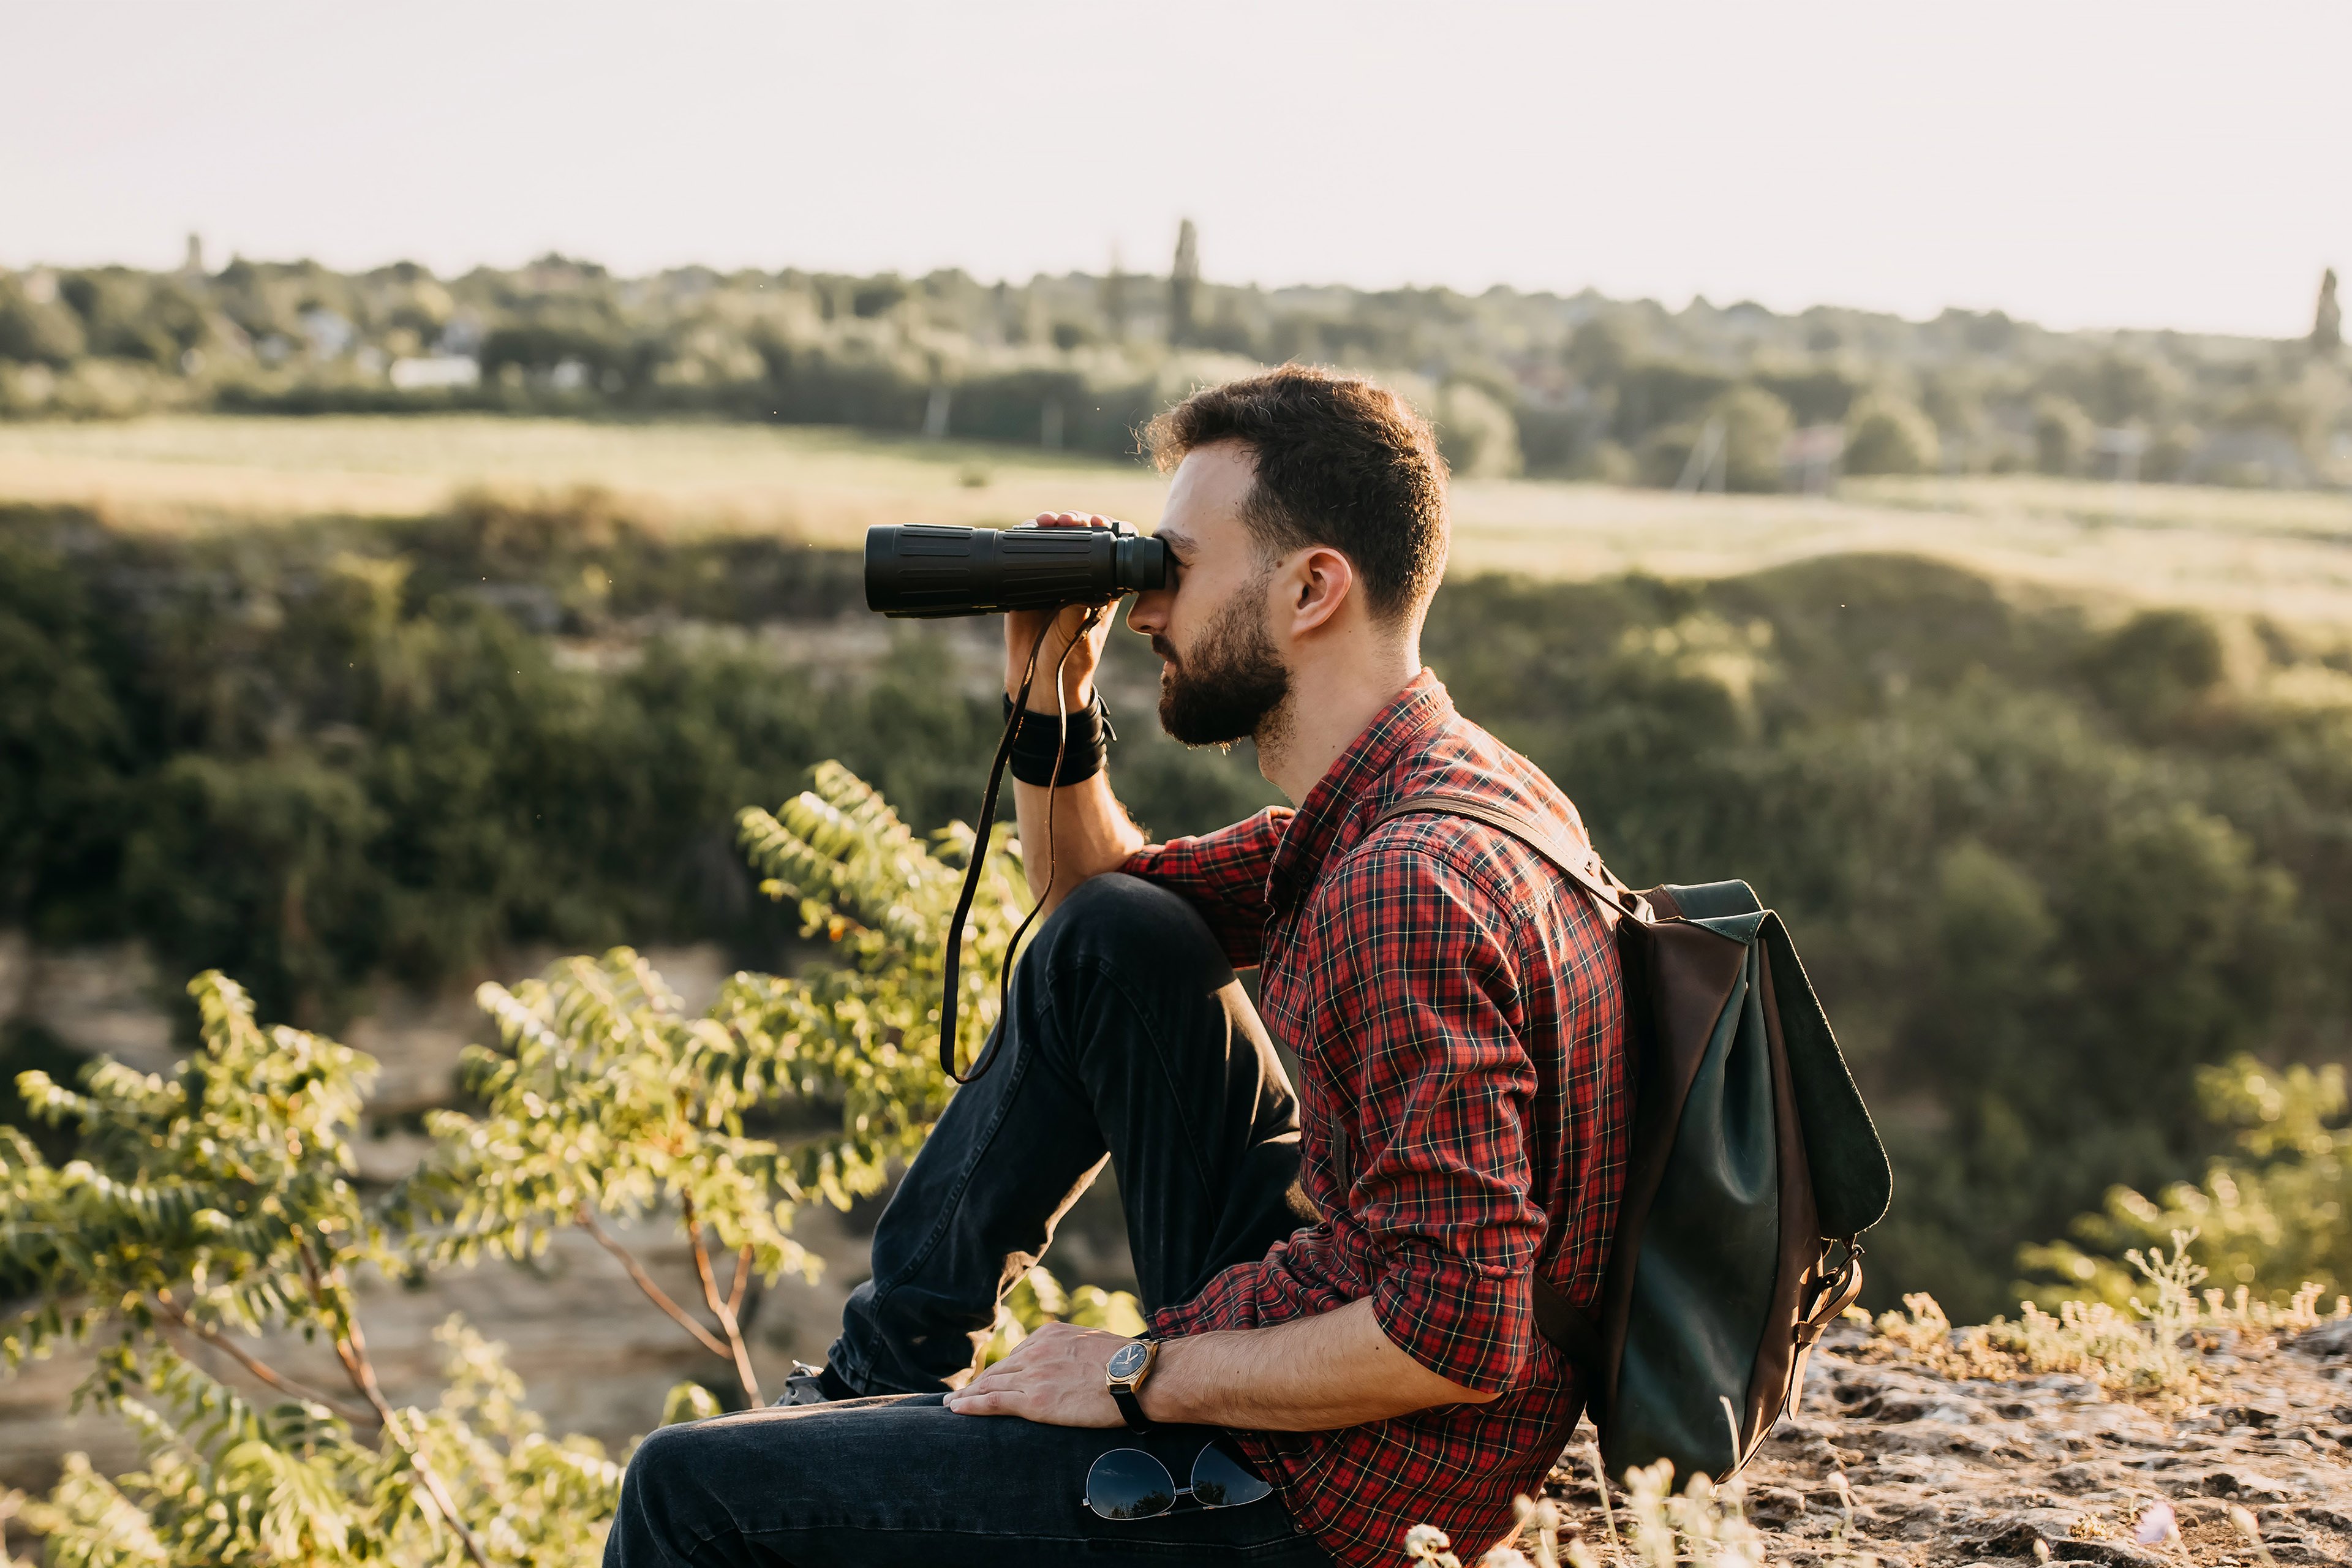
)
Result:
{"points": [[606, 1101], [216, 1206], [2143, 1349], [221, 1206], [1039, 1298], [2271, 1217]]}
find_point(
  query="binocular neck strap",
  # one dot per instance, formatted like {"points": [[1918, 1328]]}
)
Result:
{"points": [[952, 967]]}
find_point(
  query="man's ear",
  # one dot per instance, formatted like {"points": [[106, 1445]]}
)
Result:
{"points": [[1319, 583]]}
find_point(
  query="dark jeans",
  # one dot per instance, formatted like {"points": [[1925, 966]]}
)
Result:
{"points": [[1131, 1041]]}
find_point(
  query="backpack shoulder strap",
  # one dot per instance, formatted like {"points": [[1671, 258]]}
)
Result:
{"points": [[1578, 865], [1574, 1330]]}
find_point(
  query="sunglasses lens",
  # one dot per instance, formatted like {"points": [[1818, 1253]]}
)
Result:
{"points": [[1218, 1480], [1127, 1483]]}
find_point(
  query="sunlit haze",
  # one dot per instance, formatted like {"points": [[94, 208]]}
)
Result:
{"points": [[2076, 164]]}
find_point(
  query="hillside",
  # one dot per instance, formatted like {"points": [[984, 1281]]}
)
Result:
{"points": [[2281, 553]]}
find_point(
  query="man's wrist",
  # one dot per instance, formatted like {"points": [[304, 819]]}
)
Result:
{"points": [[1041, 693], [1162, 1394]]}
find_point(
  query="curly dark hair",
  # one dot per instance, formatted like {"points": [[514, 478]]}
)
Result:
{"points": [[1341, 461]]}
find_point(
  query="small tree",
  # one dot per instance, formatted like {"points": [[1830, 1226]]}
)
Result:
{"points": [[1753, 427], [1477, 434], [1888, 435], [221, 1204], [2062, 434], [211, 1206], [607, 1101]]}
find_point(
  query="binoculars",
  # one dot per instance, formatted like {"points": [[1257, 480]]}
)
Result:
{"points": [[925, 572]]}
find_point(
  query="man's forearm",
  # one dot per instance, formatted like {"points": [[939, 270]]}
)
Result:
{"points": [[1092, 833], [1313, 1375]]}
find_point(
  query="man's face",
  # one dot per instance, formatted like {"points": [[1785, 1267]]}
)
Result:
{"points": [[1220, 676]]}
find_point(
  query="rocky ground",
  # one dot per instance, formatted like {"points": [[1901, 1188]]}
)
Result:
{"points": [[1944, 1471]]}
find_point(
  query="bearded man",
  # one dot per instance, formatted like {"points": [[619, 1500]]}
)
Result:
{"points": [[1339, 1282]]}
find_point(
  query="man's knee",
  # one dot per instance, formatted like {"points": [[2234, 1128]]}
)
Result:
{"points": [[1130, 925], [665, 1458]]}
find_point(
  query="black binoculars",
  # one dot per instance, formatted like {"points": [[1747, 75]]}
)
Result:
{"points": [[926, 572]]}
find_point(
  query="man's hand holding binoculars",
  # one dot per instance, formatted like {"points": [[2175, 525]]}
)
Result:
{"points": [[1068, 627]]}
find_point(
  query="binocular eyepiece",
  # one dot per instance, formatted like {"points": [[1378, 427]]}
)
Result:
{"points": [[926, 572]]}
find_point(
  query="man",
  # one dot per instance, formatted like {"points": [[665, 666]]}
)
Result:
{"points": [[1347, 1314]]}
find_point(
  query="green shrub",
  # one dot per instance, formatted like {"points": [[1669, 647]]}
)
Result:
{"points": [[2043, 868], [1888, 435], [2270, 1217], [221, 1201]]}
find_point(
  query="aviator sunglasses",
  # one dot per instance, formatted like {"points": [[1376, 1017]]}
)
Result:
{"points": [[1127, 1483]]}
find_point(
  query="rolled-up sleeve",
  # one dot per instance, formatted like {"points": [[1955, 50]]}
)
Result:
{"points": [[1423, 989], [1223, 875]]}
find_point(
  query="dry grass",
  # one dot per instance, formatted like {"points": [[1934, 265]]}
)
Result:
{"points": [[824, 485], [2150, 1353], [2289, 555]]}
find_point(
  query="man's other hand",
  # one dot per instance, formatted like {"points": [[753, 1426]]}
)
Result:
{"points": [[1053, 1376]]}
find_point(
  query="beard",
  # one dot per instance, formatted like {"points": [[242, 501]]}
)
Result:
{"points": [[1232, 686]]}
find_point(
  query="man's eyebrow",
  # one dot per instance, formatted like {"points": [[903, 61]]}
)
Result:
{"points": [[1176, 539]]}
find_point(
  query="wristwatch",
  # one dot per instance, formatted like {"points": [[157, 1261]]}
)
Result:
{"points": [[1130, 1365]]}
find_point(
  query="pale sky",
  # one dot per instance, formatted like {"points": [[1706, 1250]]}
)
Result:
{"points": [[2079, 165]]}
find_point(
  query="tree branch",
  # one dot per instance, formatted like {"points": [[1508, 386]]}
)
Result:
{"points": [[718, 1308], [586, 1219], [259, 1369], [350, 1349], [740, 1286]]}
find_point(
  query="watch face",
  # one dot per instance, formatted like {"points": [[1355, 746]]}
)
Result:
{"points": [[1127, 1360]]}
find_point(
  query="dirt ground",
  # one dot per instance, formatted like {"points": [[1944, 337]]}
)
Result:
{"points": [[1946, 1472]]}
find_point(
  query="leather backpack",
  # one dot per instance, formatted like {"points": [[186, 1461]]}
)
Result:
{"points": [[1754, 1170]]}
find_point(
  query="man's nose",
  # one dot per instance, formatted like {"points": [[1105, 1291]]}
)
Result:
{"points": [[1147, 613]]}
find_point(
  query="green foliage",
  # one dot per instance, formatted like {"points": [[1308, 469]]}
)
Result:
{"points": [[1081, 362], [62, 735], [2044, 865], [221, 1205], [223, 1196], [1888, 435], [1475, 433], [607, 1101], [862, 878], [1756, 426], [217, 1204], [319, 757], [1734, 442], [227, 1482], [2062, 434], [1038, 1299], [2270, 1217]]}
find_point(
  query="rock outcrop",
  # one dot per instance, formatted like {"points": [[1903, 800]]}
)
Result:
{"points": [[1940, 1471]]}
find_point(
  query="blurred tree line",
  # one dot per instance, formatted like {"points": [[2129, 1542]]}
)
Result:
{"points": [[1580, 386], [2045, 864]]}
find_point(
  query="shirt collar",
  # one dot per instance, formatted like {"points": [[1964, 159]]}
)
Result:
{"points": [[1350, 788]]}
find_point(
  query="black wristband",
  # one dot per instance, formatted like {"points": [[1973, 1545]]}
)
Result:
{"points": [[1083, 740]]}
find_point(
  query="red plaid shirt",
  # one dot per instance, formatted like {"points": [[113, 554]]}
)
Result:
{"points": [[1456, 1008]]}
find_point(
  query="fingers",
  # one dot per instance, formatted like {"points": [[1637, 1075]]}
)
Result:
{"points": [[995, 1380], [1071, 519], [974, 1402]]}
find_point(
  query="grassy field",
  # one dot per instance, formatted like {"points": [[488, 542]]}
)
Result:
{"points": [[2287, 554]]}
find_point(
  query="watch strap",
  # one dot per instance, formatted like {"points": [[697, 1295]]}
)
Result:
{"points": [[1132, 1408]]}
